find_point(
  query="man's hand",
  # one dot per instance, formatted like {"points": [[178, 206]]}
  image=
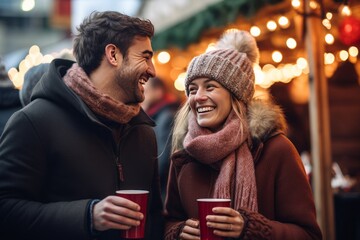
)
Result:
{"points": [[115, 212]]}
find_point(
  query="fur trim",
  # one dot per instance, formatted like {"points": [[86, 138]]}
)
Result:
{"points": [[265, 118]]}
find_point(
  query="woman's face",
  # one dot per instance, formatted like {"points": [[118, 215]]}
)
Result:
{"points": [[210, 102]]}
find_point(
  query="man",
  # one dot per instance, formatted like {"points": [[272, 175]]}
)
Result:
{"points": [[82, 137], [161, 105]]}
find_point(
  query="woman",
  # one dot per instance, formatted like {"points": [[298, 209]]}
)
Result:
{"points": [[227, 145]]}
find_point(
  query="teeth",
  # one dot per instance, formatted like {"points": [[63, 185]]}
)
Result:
{"points": [[205, 109], [142, 81]]}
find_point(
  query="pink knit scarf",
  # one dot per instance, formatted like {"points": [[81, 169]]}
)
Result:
{"points": [[228, 150], [100, 103]]}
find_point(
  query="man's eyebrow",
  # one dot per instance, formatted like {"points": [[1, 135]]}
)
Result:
{"points": [[148, 52]]}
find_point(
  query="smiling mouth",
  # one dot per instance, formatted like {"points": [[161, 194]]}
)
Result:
{"points": [[142, 81], [204, 109]]}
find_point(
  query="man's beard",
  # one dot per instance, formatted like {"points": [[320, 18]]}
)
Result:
{"points": [[128, 81]]}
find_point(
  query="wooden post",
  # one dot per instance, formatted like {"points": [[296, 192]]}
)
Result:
{"points": [[319, 124]]}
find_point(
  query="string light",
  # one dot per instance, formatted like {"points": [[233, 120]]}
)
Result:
{"points": [[301, 63], [277, 56], [269, 74], [329, 38], [284, 22], [255, 31], [326, 23], [353, 51], [344, 10], [163, 57], [27, 5], [35, 57], [344, 55], [296, 3], [291, 43], [180, 82], [271, 25], [313, 5], [329, 58]]}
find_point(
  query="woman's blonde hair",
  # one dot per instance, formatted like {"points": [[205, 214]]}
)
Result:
{"points": [[181, 121]]}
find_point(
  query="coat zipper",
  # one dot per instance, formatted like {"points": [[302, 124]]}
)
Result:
{"points": [[120, 169], [119, 165]]}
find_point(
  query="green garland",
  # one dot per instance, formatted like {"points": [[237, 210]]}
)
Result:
{"points": [[217, 15]]}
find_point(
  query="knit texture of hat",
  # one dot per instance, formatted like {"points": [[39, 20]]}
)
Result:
{"points": [[231, 64]]}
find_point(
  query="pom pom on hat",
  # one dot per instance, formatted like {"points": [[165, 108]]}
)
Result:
{"points": [[231, 64]]}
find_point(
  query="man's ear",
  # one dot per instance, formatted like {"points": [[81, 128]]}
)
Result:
{"points": [[112, 54]]}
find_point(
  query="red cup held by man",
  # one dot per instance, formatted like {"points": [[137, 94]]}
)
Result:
{"points": [[140, 197]]}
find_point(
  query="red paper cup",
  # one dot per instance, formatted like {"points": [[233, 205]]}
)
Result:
{"points": [[140, 197], [205, 206]]}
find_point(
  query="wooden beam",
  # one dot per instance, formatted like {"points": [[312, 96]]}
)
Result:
{"points": [[319, 123]]}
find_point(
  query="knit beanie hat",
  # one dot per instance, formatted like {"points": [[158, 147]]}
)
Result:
{"points": [[231, 64]]}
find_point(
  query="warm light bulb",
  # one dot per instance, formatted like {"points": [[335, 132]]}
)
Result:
{"points": [[34, 49], [259, 75], [301, 63], [179, 83], [284, 22], [271, 25], [353, 51], [326, 23], [277, 56], [329, 38], [313, 5], [344, 10], [163, 57], [27, 5], [291, 43], [295, 3], [255, 31], [329, 58], [329, 15], [12, 73], [344, 55]]}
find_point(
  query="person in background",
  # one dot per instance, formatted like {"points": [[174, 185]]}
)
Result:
{"points": [[9, 97], [34, 74], [31, 78], [161, 105], [344, 113], [228, 145], [82, 137]]}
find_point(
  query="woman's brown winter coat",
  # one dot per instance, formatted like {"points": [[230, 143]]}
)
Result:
{"points": [[285, 200]]}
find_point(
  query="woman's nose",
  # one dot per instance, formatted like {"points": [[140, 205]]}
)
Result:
{"points": [[201, 95]]}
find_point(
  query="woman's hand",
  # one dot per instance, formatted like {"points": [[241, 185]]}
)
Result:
{"points": [[191, 230], [226, 223]]}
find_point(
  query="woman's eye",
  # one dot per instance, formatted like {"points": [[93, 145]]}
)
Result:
{"points": [[192, 90]]}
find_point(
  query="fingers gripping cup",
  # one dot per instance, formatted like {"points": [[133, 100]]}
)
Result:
{"points": [[205, 206], [140, 197]]}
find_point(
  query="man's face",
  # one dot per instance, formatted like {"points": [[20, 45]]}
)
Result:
{"points": [[135, 70]]}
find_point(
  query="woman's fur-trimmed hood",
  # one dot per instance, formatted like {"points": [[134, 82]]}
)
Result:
{"points": [[265, 118]]}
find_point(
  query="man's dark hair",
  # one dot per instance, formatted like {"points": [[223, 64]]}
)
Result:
{"points": [[102, 28]]}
